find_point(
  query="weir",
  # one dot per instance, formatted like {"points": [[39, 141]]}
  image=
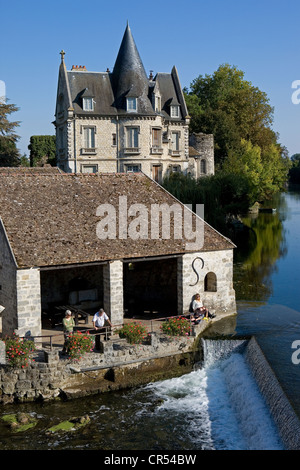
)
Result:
{"points": [[251, 417], [280, 408]]}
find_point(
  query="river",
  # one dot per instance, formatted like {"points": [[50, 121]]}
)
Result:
{"points": [[217, 406]]}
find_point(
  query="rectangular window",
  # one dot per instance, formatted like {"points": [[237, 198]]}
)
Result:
{"points": [[89, 137], [132, 137], [131, 104], [114, 139], [89, 168], [157, 104], [175, 141], [156, 138], [88, 104], [132, 168], [175, 111]]}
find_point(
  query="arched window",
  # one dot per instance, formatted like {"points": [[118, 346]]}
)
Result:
{"points": [[210, 282], [203, 166]]}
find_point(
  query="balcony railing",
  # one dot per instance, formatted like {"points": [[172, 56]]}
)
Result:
{"points": [[155, 150], [87, 151], [131, 150], [174, 153]]}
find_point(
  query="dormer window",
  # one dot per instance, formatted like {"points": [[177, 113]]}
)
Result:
{"points": [[157, 104], [174, 111], [87, 104], [131, 105]]}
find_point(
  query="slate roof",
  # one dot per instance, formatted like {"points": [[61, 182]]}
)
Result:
{"points": [[50, 219], [128, 78]]}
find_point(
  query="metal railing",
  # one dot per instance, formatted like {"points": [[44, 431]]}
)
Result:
{"points": [[155, 325]]}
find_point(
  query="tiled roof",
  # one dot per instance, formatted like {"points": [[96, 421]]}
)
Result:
{"points": [[50, 219], [41, 170]]}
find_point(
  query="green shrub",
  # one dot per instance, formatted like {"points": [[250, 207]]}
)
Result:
{"points": [[134, 332], [176, 326]]}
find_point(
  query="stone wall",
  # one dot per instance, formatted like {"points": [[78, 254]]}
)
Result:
{"points": [[204, 146], [8, 285], [28, 303], [218, 262], [113, 291], [119, 366]]}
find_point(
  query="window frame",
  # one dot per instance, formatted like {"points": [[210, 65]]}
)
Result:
{"points": [[86, 99], [131, 99], [174, 111], [91, 137], [132, 137]]}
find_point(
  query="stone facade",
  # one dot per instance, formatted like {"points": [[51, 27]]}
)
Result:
{"points": [[8, 284], [210, 275], [28, 302], [202, 155], [113, 291], [97, 139], [111, 154]]}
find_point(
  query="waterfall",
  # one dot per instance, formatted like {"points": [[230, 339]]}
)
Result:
{"points": [[219, 406], [283, 414], [238, 397], [214, 350]]}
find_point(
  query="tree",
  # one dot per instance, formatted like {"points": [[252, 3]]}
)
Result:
{"points": [[231, 108], [294, 173], [42, 150], [265, 170], [9, 154]]}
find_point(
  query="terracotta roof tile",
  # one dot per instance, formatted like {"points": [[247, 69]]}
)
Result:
{"points": [[50, 219]]}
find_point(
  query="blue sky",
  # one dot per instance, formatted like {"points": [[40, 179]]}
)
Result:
{"points": [[261, 38]]}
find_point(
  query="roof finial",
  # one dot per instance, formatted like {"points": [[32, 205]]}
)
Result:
{"points": [[62, 53]]}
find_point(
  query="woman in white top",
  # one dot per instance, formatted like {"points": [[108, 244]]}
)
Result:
{"points": [[198, 308]]}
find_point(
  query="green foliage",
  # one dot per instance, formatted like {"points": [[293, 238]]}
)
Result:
{"points": [[18, 351], [266, 171], [294, 172], [42, 150], [9, 154], [176, 326], [223, 195], [231, 108], [134, 332], [80, 343]]}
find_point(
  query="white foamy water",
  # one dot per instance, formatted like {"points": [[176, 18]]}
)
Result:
{"points": [[220, 404]]}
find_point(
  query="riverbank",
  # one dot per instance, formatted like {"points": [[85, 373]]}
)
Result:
{"points": [[118, 366]]}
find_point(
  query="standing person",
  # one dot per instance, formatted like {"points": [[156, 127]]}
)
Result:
{"points": [[68, 326], [99, 320]]}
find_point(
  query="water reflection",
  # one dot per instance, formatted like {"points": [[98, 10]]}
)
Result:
{"points": [[260, 243]]}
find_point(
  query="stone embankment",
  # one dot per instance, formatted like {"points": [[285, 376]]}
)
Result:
{"points": [[118, 365]]}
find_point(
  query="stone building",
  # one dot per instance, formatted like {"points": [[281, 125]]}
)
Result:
{"points": [[57, 248], [125, 121]]}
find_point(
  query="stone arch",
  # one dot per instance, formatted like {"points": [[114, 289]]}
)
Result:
{"points": [[210, 282]]}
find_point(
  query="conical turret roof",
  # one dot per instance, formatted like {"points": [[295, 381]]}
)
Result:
{"points": [[129, 76]]}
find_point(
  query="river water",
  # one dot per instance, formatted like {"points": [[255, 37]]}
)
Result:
{"points": [[217, 406]]}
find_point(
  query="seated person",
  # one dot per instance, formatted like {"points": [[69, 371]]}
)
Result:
{"points": [[198, 309]]}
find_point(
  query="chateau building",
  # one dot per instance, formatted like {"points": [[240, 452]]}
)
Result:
{"points": [[124, 121]]}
